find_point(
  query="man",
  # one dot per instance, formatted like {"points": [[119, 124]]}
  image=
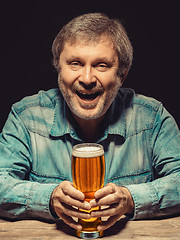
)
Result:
{"points": [[92, 55]]}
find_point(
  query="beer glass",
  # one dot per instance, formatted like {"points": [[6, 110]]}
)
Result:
{"points": [[88, 171]]}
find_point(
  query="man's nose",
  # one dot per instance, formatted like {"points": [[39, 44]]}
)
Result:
{"points": [[87, 76]]}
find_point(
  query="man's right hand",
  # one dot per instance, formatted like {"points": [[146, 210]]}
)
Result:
{"points": [[65, 201]]}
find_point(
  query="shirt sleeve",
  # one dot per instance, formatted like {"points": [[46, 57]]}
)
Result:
{"points": [[161, 197], [19, 197]]}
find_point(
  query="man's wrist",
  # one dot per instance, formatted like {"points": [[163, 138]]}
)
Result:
{"points": [[130, 202], [52, 211]]}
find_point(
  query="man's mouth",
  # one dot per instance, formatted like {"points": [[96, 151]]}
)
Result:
{"points": [[88, 97]]}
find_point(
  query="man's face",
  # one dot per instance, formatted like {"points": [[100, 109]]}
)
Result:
{"points": [[88, 77]]}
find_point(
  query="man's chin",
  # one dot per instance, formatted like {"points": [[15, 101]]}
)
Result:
{"points": [[87, 114]]}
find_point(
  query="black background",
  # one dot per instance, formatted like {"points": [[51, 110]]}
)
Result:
{"points": [[28, 29]]}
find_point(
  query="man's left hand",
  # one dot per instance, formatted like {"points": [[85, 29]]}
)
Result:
{"points": [[118, 200]]}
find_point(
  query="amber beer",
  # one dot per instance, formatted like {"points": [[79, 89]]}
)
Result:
{"points": [[88, 170]]}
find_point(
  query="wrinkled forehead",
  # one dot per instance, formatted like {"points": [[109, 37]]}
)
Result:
{"points": [[94, 49], [89, 52], [90, 40]]}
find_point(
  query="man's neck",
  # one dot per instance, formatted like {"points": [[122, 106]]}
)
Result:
{"points": [[89, 129]]}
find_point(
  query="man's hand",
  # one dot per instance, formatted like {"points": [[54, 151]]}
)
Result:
{"points": [[118, 200], [65, 201]]}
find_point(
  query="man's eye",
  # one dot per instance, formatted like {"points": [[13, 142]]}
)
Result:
{"points": [[75, 65], [102, 67]]}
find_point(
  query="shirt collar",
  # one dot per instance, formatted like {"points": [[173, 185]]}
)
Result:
{"points": [[60, 124], [115, 120]]}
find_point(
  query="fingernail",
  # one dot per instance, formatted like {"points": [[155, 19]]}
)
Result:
{"points": [[92, 202], [79, 228], [99, 228], [87, 216], [93, 214], [87, 205]]}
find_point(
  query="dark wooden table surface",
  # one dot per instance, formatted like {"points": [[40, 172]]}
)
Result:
{"points": [[146, 229]]}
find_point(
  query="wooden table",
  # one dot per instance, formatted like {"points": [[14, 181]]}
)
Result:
{"points": [[146, 229]]}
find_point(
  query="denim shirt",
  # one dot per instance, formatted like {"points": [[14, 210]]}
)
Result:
{"points": [[142, 152]]}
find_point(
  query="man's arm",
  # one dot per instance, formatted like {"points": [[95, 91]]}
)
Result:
{"points": [[20, 198], [158, 198], [161, 197]]}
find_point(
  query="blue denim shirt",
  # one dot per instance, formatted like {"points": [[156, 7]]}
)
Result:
{"points": [[142, 152]]}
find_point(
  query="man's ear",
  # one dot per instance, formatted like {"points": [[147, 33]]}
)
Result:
{"points": [[122, 76]]}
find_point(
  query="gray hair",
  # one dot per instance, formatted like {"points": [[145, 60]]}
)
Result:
{"points": [[89, 28]]}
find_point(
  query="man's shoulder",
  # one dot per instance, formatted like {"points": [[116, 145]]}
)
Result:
{"points": [[43, 99], [37, 111], [140, 111], [132, 99]]}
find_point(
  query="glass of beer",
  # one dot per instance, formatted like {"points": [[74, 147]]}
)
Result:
{"points": [[88, 171]]}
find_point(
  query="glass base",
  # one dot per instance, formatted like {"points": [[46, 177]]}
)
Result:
{"points": [[89, 235]]}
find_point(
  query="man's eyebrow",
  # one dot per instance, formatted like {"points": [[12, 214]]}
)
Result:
{"points": [[97, 60], [105, 59], [73, 57]]}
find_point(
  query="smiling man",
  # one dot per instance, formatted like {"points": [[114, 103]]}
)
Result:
{"points": [[88, 81], [92, 55]]}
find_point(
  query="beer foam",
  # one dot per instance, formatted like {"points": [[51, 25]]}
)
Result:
{"points": [[88, 151]]}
